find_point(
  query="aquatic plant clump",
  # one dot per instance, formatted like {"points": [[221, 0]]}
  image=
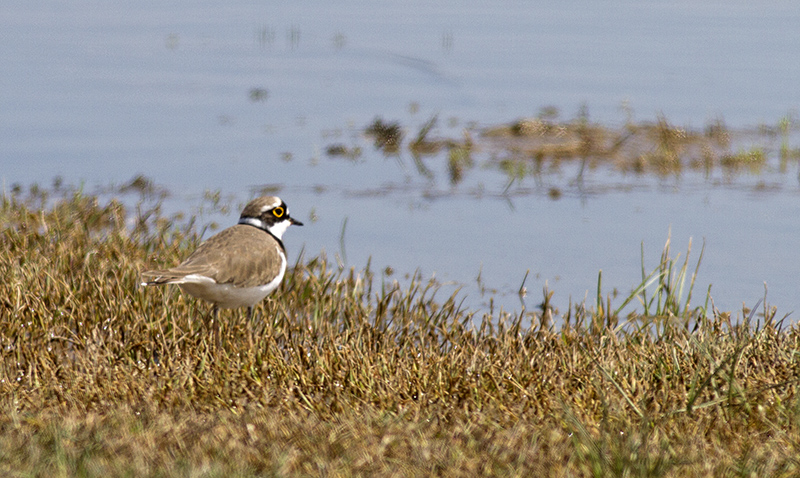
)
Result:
{"points": [[548, 145], [346, 373]]}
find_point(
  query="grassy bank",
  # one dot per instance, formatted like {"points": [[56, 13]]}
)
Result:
{"points": [[346, 373]]}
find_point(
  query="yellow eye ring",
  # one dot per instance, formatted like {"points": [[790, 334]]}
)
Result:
{"points": [[278, 212]]}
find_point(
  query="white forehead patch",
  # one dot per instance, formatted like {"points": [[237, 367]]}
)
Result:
{"points": [[276, 201]]}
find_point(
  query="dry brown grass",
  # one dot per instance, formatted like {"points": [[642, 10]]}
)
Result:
{"points": [[344, 374]]}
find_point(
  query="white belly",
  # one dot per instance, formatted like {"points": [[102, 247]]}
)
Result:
{"points": [[227, 296]]}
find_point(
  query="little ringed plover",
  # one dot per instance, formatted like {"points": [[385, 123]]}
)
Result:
{"points": [[239, 266]]}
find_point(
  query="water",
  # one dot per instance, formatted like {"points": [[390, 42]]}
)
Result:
{"points": [[97, 93]]}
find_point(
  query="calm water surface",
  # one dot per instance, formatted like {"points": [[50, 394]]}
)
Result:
{"points": [[232, 97]]}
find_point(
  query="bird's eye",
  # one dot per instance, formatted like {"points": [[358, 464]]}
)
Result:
{"points": [[278, 212]]}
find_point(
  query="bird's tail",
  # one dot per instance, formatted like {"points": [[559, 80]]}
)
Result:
{"points": [[159, 277]]}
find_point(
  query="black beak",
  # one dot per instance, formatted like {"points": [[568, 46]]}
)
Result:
{"points": [[295, 221]]}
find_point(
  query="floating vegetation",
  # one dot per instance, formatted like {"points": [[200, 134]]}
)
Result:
{"points": [[387, 136], [340, 150], [659, 147], [536, 146], [423, 145], [752, 159], [459, 159]]}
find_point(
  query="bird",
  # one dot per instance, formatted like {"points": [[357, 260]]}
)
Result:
{"points": [[239, 266]]}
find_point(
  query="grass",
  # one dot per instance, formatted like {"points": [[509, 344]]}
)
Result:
{"points": [[545, 143], [347, 374]]}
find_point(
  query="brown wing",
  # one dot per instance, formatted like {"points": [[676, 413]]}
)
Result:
{"points": [[241, 251]]}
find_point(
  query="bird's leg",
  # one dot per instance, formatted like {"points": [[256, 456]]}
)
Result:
{"points": [[215, 324], [250, 326]]}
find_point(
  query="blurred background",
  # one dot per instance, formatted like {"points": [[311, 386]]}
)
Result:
{"points": [[217, 102]]}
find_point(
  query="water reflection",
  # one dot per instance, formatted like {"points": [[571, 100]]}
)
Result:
{"points": [[264, 96], [545, 148]]}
